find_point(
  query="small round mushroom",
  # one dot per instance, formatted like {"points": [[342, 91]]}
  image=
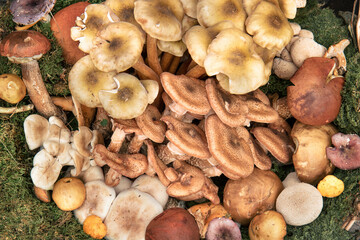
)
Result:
{"points": [[25, 48], [223, 228], [304, 48], [330, 186], [69, 193], [269, 225], [12, 88], [94, 227], [300, 204]]}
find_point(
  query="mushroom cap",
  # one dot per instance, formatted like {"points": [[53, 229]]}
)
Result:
{"points": [[68, 193], [149, 122], [188, 137], [223, 228], [304, 48], [98, 200], [232, 53], [152, 89], [85, 82], [128, 100], [210, 12], [13, 89], [300, 204], [36, 130], [61, 24], [289, 8], [27, 12], [257, 193], [124, 9], [269, 26], [190, 7], [176, 48], [90, 23], [250, 5], [125, 183], [130, 213], [269, 225], [93, 173], [291, 179], [189, 93], [20, 45], [94, 227], [229, 148], [112, 50], [161, 19]]}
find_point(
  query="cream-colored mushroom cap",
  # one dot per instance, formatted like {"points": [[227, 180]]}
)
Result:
{"points": [[190, 7], [269, 27], [232, 54], [161, 19], [36, 129], [152, 88], [85, 82], [176, 48], [124, 9], [210, 12], [128, 100], [117, 47], [250, 5], [93, 20], [289, 8]]}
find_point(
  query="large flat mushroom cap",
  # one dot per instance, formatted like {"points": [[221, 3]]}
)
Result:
{"points": [[229, 148], [24, 44], [30, 11], [189, 93], [130, 213]]}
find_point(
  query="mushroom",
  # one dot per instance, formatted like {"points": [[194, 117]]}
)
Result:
{"points": [[232, 54], [36, 130], [29, 12], [290, 179], [345, 154], [250, 5], [69, 193], [130, 213], [267, 225], [150, 124], [223, 228], [304, 48], [85, 82], [12, 88], [173, 223], [98, 200], [25, 48], [124, 9], [246, 197], [330, 186], [299, 204], [210, 12], [94, 227], [61, 24]]}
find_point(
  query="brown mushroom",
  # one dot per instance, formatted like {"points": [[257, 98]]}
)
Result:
{"points": [[25, 48]]}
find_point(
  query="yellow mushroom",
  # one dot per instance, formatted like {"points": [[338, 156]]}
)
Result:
{"points": [[12, 88], [330, 186]]}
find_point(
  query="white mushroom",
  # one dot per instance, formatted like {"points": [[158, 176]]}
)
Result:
{"points": [[290, 179], [36, 129], [125, 183], [304, 48], [284, 69], [93, 173]]}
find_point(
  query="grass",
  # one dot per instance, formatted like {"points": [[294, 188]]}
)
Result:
{"points": [[23, 216]]}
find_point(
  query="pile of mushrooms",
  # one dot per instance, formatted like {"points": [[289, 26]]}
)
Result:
{"points": [[178, 84]]}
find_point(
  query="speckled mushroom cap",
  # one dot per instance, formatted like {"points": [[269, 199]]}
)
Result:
{"points": [[300, 204], [20, 46], [189, 93], [188, 137], [229, 148], [149, 122], [161, 19], [30, 11]]}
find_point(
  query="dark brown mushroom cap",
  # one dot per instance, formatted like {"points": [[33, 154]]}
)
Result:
{"points": [[24, 44], [149, 122], [30, 11], [188, 137], [228, 107], [189, 93], [229, 148], [275, 142]]}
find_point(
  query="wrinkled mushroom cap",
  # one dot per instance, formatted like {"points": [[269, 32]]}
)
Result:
{"points": [[210, 12], [85, 82], [128, 100], [161, 19], [232, 54], [27, 12], [269, 26], [112, 49], [300, 204], [90, 23], [23, 46]]}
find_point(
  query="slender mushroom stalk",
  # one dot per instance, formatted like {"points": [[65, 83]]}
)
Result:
{"points": [[12, 110], [25, 48]]}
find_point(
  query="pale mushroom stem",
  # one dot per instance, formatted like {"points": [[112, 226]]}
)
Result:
{"points": [[12, 110], [166, 61], [174, 65], [152, 54], [196, 72], [38, 92]]}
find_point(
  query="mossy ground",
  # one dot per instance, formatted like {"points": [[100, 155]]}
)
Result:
{"points": [[23, 216]]}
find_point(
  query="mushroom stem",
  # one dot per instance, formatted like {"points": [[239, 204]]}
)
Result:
{"points": [[12, 110], [38, 92], [152, 54], [166, 61], [136, 142], [174, 65], [196, 72]]}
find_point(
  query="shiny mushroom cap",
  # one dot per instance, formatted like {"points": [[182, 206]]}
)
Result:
{"points": [[161, 19], [112, 49], [128, 100], [85, 82], [23, 46], [27, 12], [232, 54]]}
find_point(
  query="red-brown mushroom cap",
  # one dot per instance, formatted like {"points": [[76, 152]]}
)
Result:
{"points": [[24, 44], [150, 124], [189, 93], [188, 137], [229, 148]]}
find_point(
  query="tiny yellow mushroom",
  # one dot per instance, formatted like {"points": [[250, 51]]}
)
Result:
{"points": [[330, 186], [94, 227]]}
